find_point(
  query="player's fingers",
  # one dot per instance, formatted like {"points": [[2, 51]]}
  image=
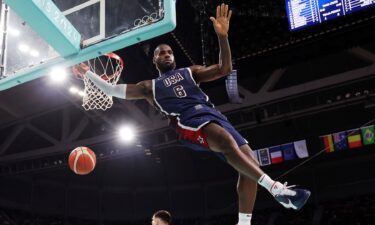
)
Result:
{"points": [[226, 10], [217, 11], [74, 70], [222, 9], [212, 19], [83, 66], [229, 15]]}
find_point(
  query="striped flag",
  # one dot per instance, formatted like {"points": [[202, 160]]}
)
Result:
{"points": [[354, 138], [368, 135], [327, 143], [232, 88], [276, 154]]}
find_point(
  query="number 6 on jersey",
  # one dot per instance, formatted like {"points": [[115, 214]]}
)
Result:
{"points": [[179, 91]]}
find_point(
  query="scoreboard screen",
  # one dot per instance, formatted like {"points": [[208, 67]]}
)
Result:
{"points": [[304, 13]]}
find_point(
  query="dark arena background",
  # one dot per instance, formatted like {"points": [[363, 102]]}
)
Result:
{"points": [[314, 85]]}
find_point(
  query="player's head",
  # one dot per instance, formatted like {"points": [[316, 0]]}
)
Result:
{"points": [[161, 217], [164, 58]]}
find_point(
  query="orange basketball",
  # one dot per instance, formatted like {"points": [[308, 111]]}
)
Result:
{"points": [[82, 160]]}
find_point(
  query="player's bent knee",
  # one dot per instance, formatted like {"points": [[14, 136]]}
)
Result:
{"points": [[227, 145], [219, 139]]}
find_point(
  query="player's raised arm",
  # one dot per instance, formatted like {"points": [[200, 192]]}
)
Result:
{"points": [[123, 91], [224, 67]]}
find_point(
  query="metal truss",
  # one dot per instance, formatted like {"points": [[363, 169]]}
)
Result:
{"points": [[151, 124]]}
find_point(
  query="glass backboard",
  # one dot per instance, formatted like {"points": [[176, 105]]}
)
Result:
{"points": [[30, 49]]}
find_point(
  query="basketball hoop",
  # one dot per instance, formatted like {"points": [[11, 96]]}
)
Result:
{"points": [[109, 67]]}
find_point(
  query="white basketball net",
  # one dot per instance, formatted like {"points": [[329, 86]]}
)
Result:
{"points": [[109, 68]]}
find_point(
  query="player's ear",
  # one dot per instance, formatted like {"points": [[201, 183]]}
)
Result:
{"points": [[153, 60]]}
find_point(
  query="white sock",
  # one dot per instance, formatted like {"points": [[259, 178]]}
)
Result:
{"points": [[274, 187], [244, 219]]}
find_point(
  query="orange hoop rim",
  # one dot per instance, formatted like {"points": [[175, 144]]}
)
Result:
{"points": [[110, 55], [115, 57]]}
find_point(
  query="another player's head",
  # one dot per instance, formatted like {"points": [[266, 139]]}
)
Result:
{"points": [[161, 217], [164, 58]]}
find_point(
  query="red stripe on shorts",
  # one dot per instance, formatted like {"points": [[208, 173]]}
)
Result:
{"points": [[196, 137]]}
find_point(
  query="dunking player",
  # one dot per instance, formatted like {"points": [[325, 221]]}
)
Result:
{"points": [[161, 217], [176, 93]]}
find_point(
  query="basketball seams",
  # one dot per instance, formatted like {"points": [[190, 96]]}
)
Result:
{"points": [[88, 155], [82, 160], [78, 154]]}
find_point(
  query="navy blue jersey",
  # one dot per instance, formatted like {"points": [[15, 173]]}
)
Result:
{"points": [[176, 93]]}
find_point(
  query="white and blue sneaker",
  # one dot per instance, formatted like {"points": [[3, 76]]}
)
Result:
{"points": [[292, 198]]}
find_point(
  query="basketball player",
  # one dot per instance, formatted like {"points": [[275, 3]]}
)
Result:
{"points": [[176, 93], [161, 217]]}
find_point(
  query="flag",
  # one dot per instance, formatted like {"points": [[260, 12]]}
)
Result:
{"points": [[255, 155], [301, 149], [354, 138], [368, 137], [264, 157], [339, 139], [276, 154], [232, 88], [288, 151], [327, 143]]}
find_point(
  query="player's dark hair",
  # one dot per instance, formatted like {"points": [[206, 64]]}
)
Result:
{"points": [[157, 47], [163, 215]]}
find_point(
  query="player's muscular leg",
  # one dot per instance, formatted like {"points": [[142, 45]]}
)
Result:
{"points": [[219, 140], [246, 187]]}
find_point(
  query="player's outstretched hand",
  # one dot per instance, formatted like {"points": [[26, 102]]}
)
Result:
{"points": [[221, 22], [80, 70]]}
